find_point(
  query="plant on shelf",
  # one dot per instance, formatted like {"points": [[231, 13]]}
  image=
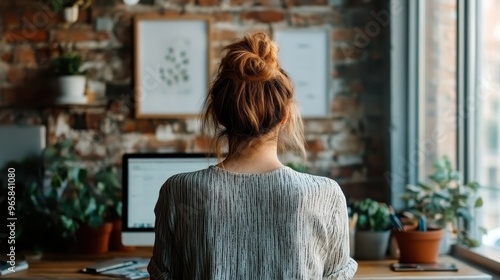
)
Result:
{"points": [[372, 229], [70, 79], [445, 201], [70, 8]]}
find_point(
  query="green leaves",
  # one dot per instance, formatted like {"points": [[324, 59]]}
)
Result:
{"points": [[479, 202], [67, 64], [372, 215], [444, 198]]}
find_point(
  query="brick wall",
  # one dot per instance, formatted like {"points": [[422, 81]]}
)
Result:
{"points": [[349, 146]]}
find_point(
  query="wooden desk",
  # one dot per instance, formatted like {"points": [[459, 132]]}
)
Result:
{"points": [[66, 267], [376, 270]]}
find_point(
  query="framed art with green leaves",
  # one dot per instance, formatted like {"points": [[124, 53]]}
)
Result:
{"points": [[171, 65]]}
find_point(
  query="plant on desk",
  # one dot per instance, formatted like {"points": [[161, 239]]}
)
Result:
{"points": [[372, 229], [60, 201], [81, 200], [445, 201]]}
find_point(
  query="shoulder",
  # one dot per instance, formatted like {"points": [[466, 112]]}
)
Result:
{"points": [[317, 187], [182, 181], [316, 181]]}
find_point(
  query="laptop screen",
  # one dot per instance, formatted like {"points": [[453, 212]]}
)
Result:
{"points": [[143, 176]]}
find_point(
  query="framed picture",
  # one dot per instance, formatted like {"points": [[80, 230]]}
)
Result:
{"points": [[171, 65], [305, 57]]}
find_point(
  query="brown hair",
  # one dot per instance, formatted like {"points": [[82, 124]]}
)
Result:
{"points": [[250, 97]]}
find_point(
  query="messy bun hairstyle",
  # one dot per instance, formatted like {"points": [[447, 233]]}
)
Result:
{"points": [[250, 97]]}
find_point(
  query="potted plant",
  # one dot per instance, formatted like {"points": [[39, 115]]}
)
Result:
{"points": [[70, 8], [65, 203], [82, 197], [445, 202], [70, 81], [108, 177], [372, 229]]}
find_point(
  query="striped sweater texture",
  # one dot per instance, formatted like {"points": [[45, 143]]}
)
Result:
{"points": [[216, 224]]}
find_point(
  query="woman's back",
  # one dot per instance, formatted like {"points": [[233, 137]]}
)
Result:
{"points": [[251, 217], [280, 224]]}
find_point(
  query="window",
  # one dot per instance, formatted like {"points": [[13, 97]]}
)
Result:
{"points": [[437, 84], [452, 103], [487, 117]]}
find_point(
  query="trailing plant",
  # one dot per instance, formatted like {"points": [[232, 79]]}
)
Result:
{"points": [[372, 215], [60, 4], [444, 200]]}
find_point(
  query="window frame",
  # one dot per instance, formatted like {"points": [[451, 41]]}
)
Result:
{"points": [[406, 53]]}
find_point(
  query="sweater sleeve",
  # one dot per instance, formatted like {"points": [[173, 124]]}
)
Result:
{"points": [[159, 266], [339, 265]]}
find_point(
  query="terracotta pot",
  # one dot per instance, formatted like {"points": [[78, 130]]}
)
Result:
{"points": [[418, 246], [94, 240], [115, 239]]}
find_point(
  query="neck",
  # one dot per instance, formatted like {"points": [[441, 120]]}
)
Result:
{"points": [[258, 159]]}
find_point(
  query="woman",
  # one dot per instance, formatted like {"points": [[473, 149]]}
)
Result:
{"points": [[251, 217]]}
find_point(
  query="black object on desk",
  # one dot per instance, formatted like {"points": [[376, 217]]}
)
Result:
{"points": [[423, 267]]}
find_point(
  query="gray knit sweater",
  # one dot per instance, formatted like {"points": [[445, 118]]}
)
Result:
{"points": [[216, 224]]}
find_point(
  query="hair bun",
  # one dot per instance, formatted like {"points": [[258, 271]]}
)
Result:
{"points": [[255, 58]]}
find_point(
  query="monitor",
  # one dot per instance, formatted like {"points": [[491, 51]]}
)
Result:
{"points": [[143, 176]]}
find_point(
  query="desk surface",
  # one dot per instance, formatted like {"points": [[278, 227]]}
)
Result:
{"points": [[66, 267]]}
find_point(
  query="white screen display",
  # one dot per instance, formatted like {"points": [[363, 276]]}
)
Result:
{"points": [[145, 178]]}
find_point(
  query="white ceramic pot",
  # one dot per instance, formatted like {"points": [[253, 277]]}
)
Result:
{"points": [[70, 14], [131, 2], [71, 90]]}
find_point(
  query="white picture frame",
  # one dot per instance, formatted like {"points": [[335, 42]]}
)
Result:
{"points": [[172, 57], [304, 55]]}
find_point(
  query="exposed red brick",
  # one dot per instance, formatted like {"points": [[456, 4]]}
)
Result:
{"points": [[182, 2], [202, 144], [344, 104], [374, 161], [11, 18], [266, 16], [7, 57], [306, 2], [315, 146], [129, 126], [25, 54], [222, 16], [346, 51], [207, 2], [342, 34], [236, 2], [7, 96], [68, 35], [357, 87], [83, 15], [24, 35], [223, 35], [39, 18], [43, 54], [145, 126], [299, 19], [93, 120], [16, 75]]}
